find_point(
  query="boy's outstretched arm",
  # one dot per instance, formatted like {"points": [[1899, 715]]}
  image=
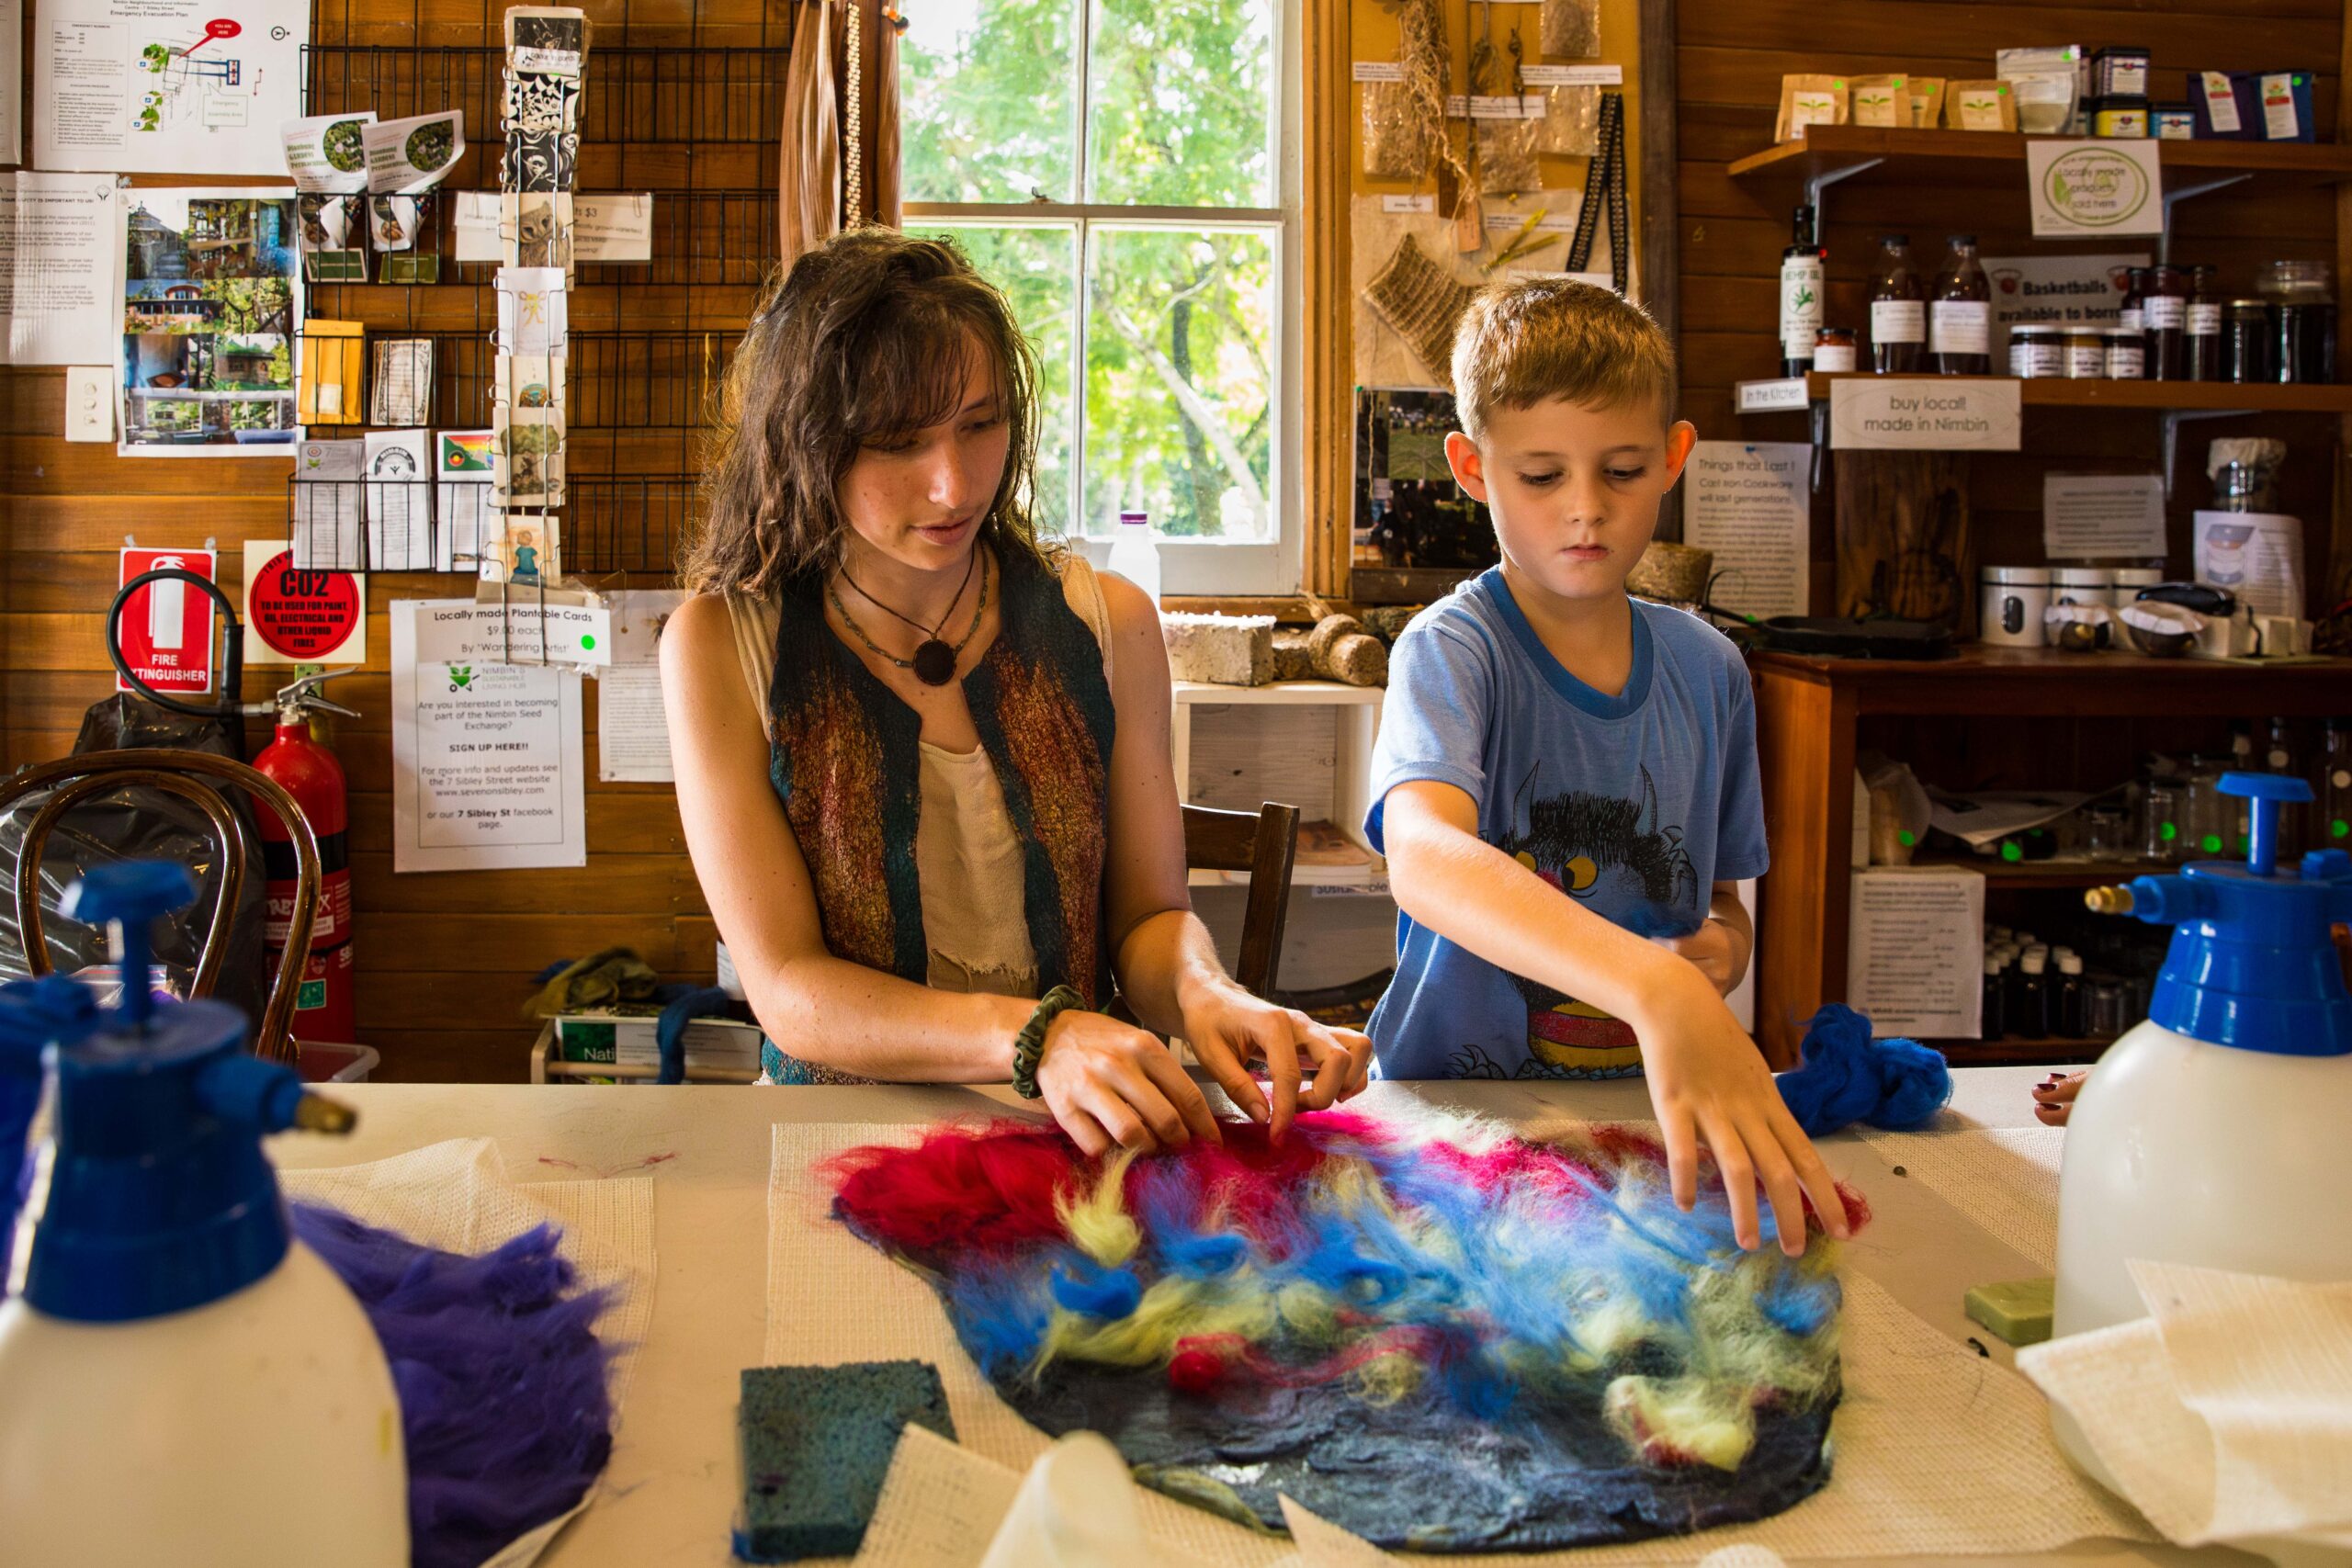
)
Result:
{"points": [[1706, 1077]]}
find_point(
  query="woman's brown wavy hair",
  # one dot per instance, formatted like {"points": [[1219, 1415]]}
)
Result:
{"points": [[863, 339]]}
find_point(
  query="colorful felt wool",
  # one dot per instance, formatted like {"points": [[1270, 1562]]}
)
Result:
{"points": [[1438, 1335]]}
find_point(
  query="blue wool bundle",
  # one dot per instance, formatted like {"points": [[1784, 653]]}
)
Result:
{"points": [[500, 1379], [1848, 1076]]}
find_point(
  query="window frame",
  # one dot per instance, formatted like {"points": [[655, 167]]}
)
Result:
{"points": [[1267, 566]]}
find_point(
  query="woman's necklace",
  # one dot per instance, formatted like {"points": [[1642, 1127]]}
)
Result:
{"points": [[935, 661]]}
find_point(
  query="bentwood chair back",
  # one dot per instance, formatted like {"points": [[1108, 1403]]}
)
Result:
{"points": [[1264, 844], [197, 777]]}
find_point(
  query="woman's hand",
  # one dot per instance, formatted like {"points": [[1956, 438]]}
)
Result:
{"points": [[1110, 1083], [1713, 948], [2053, 1097], [1708, 1080], [1228, 1028]]}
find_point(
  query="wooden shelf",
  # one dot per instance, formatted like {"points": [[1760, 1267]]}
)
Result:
{"points": [[2057, 874], [2020, 1052], [1282, 693], [1997, 158], [2043, 683], [1328, 857], [2051, 391]]}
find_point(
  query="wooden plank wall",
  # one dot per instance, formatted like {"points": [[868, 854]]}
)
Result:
{"points": [[444, 960], [1729, 62]]}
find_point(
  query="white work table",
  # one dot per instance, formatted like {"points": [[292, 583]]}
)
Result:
{"points": [[670, 1494]]}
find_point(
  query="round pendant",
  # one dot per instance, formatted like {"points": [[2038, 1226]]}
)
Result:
{"points": [[934, 663]]}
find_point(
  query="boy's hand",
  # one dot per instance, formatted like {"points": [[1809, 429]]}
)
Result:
{"points": [[1708, 1081], [1713, 949]]}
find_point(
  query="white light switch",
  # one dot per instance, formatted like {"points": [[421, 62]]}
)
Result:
{"points": [[89, 402]]}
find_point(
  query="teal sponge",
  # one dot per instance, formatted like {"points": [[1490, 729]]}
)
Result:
{"points": [[817, 1442]]}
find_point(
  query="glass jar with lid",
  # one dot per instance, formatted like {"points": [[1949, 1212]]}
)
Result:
{"points": [[2037, 352], [2086, 352], [1833, 350], [2126, 353], [2302, 302], [2248, 342]]}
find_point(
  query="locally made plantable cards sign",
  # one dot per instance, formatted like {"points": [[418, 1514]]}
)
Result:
{"points": [[1888, 413], [2087, 188]]}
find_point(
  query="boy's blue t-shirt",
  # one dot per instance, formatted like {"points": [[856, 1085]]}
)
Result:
{"points": [[1634, 804]]}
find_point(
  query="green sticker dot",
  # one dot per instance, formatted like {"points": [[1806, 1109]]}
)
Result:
{"points": [[1907, 837], [2012, 853], [2339, 828], [588, 639], [2211, 843], [2168, 831]]}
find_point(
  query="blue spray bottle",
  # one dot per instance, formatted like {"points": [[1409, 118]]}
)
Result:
{"points": [[180, 1381], [2218, 1132]]}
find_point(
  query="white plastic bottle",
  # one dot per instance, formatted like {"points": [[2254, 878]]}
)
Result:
{"points": [[2214, 1132], [1133, 554], [180, 1381]]}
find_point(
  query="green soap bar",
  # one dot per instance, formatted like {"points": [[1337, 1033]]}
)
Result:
{"points": [[2018, 1311], [817, 1442]]}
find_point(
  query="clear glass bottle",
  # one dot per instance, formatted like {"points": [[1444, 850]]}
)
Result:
{"points": [[1803, 280], [2166, 305], [2332, 790], [1898, 310], [2201, 330], [1135, 555], [1960, 314]]}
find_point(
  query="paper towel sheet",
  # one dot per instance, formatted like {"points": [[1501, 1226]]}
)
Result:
{"points": [[2227, 1414], [2005, 1178], [1938, 1452], [456, 1196]]}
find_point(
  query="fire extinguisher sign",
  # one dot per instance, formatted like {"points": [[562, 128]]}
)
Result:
{"points": [[166, 628]]}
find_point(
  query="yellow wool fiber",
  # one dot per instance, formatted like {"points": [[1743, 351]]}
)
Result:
{"points": [[1099, 1223], [1172, 1308], [1703, 1418], [1384, 1379]]}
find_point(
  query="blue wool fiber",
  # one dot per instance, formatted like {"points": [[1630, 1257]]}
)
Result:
{"points": [[1002, 1313], [1104, 1294], [1164, 1202], [1848, 1076], [1799, 1304], [500, 1379]]}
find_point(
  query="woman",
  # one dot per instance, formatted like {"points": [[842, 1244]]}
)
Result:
{"points": [[923, 762]]}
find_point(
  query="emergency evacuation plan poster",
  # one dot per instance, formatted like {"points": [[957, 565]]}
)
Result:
{"points": [[167, 86]]}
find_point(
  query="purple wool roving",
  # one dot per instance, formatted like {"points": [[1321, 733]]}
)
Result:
{"points": [[501, 1377]]}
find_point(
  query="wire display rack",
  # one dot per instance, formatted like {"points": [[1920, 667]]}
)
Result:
{"points": [[614, 380], [609, 524], [635, 94]]}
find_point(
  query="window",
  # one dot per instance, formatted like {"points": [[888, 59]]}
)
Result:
{"points": [[1117, 167]]}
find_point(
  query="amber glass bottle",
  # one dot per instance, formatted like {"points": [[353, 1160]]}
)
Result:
{"points": [[1898, 310], [1960, 314]]}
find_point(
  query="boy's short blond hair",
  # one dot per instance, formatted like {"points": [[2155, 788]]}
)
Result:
{"points": [[1522, 343]]}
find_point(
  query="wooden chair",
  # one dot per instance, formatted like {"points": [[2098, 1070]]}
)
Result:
{"points": [[1264, 844], [196, 777]]}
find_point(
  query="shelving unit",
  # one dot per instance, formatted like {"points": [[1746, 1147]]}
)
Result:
{"points": [[1278, 763], [1873, 155], [1778, 395], [1808, 711]]}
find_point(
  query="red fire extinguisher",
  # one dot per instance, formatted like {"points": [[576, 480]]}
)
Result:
{"points": [[325, 1007]]}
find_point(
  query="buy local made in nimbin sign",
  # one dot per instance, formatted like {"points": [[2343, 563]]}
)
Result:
{"points": [[2094, 188]]}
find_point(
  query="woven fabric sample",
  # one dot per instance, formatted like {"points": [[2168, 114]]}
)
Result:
{"points": [[1422, 303]]}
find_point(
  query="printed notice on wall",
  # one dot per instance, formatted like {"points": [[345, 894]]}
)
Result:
{"points": [[1750, 503], [12, 79], [167, 86], [2096, 515], [487, 760], [632, 727], [1888, 413], [1915, 951], [2085, 189], [60, 295]]}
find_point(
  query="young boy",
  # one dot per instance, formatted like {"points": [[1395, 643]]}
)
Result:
{"points": [[1566, 782]]}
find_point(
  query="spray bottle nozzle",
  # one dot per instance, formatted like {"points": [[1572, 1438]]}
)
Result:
{"points": [[128, 896]]}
